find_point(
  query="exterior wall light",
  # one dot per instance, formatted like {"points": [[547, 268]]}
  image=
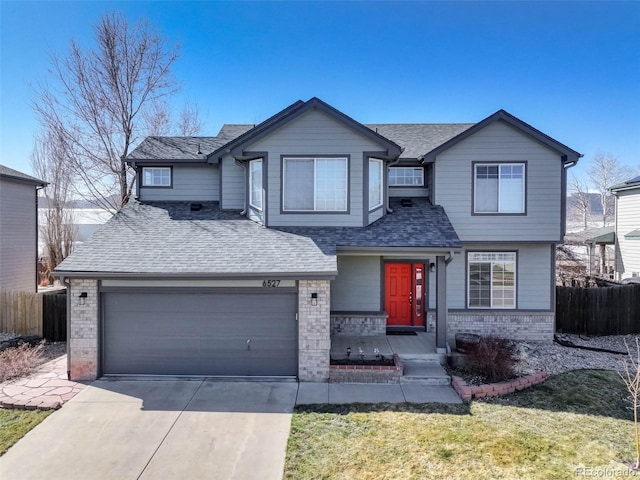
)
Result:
{"points": [[432, 267], [82, 298], [314, 299]]}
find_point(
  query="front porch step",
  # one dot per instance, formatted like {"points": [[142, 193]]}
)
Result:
{"points": [[440, 358], [424, 372]]}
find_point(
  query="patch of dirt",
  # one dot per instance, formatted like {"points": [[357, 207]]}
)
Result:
{"points": [[52, 351]]}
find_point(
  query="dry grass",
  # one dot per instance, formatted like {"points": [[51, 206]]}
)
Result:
{"points": [[14, 424], [19, 361], [544, 433]]}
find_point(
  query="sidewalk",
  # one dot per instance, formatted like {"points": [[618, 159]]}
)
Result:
{"points": [[46, 389], [341, 393]]}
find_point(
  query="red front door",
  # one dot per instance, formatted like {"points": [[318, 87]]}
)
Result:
{"points": [[404, 293]]}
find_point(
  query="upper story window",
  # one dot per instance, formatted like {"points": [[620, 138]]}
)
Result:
{"points": [[491, 279], [156, 176], [375, 183], [315, 184], [255, 183], [499, 188], [406, 177]]}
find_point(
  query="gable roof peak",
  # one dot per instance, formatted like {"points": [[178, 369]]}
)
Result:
{"points": [[502, 115], [236, 146]]}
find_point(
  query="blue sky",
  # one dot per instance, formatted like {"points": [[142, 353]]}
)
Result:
{"points": [[570, 69]]}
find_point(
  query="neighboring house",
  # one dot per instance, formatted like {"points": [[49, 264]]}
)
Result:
{"points": [[627, 236], [18, 229], [245, 252]]}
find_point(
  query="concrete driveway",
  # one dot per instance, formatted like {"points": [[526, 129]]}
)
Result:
{"points": [[160, 429]]}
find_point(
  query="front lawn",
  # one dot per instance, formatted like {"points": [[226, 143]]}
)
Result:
{"points": [[576, 419], [14, 424]]}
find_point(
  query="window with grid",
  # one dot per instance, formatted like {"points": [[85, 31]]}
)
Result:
{"points": [[315, 184], [156, 177], [491, 279], [499, 188], [406, 176]]}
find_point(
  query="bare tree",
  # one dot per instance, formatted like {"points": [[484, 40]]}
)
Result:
{"points": [[631, 376], [160, 122], [605, 172], [189, 123], [581, 203], [101, 103], [57, 229]]}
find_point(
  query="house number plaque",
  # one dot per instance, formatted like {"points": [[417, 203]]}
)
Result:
{"points": [[271, 283]]}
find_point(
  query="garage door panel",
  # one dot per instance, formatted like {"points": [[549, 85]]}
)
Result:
{"points": [[199, 334]]}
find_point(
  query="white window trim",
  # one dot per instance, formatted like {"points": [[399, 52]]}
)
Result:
{"points": [[515, 280], [421, 184], [500, 164], [251, 180], [153, 185], [379, 164], [315, 179]]}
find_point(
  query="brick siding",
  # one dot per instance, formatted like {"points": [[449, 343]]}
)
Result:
{"points": [[512, 325], [314, 335], [83, 335], [353, 324]]}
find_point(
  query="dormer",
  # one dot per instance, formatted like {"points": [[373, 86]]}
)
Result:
{"points": [[310, 165]]}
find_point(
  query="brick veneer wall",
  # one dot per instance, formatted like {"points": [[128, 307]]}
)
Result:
{"points": [[83, 335], [367, 374], [512, 325], [359, 324], [314, 335]]}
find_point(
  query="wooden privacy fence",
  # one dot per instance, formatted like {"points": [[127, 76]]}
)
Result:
{"points": [[42, 314], [598, 311]]}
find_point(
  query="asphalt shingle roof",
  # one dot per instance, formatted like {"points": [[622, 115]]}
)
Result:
{"points": [[175, 148], [11, 173], [419, 138], [168, 238], [421, 225]]}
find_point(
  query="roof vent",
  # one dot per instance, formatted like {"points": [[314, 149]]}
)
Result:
{"points": [[199, 152], [406, 202], [196, 207]]}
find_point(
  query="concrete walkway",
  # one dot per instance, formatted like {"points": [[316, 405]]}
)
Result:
{"points": [[342, 393], [46, 389], [185, 429]]}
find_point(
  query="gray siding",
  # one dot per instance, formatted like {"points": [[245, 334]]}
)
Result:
{"points": [[627, 220], [315, 133], [376, 215], [233, 184], [357, 286], [500, 142], [18, 247], [534, 276], [190, 183], [406, 192]]}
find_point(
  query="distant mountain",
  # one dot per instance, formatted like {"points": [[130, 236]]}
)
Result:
{"points": [[78, 203], [594, 203]]}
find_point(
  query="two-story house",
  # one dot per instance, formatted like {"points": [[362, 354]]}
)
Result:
{"points": [[243, 252], [627, 228], [18, 230]]}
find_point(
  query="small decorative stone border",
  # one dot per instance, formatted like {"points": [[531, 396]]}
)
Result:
{"points": [[469, 392], [367, 373]]}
